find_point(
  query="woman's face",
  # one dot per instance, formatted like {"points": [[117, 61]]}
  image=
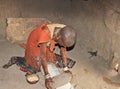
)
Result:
{"points": [[60, 42]]}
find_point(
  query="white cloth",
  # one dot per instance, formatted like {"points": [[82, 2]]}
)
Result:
{"points": [[52, 27]]}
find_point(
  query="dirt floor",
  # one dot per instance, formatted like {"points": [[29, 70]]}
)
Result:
{"points": [[87, 17], [89, 73]]}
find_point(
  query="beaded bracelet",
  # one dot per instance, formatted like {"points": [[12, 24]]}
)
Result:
{"points": [[47, 76], [66, 69]]}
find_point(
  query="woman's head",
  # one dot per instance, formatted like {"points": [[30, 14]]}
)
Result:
{"points": [[67, 37]]}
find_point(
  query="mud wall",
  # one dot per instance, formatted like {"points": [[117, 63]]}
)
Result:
{"points": [[95, 21]]}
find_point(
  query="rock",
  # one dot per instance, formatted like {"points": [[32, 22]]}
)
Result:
{"points": [[18, 29], [61, 80]]}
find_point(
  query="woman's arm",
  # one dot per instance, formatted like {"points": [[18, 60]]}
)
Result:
{"points": [[63, 55], [43, 57]]}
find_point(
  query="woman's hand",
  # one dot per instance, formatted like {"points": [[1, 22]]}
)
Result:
{"points": [[48, 83]]}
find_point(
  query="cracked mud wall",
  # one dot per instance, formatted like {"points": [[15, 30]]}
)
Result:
{"points": [[95, 21]]}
